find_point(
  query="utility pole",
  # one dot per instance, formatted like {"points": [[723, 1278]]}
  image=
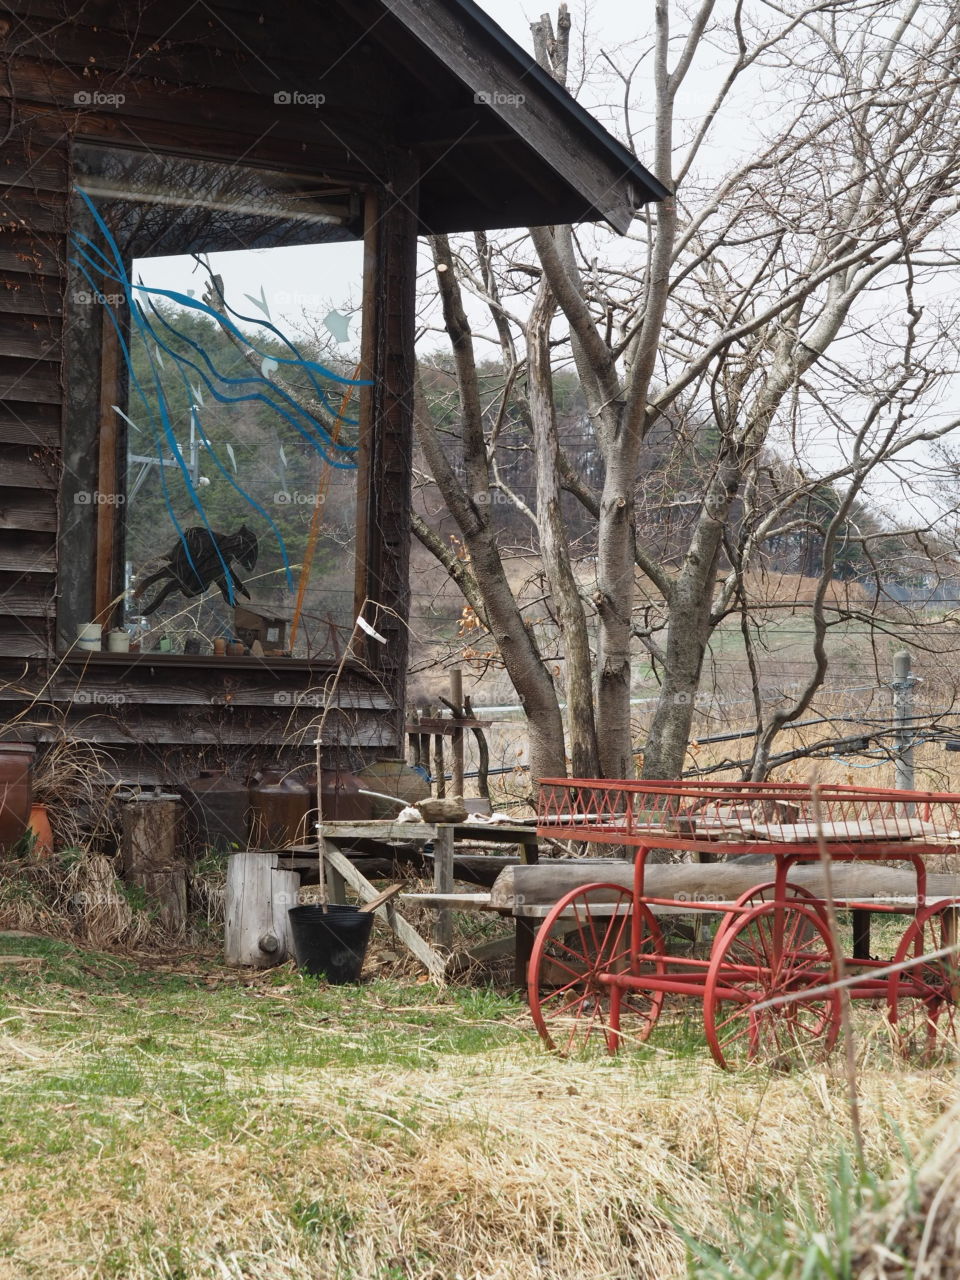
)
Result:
{"points": [[902, 685]]}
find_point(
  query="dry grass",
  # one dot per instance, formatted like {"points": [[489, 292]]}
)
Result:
{"points": [[77, 894], [916, 1235], [262, 1131], [73, 780]]}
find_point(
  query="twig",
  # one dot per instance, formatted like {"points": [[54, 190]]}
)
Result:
{"points": [[850, 1055]]}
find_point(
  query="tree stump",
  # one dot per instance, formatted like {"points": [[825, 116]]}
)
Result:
{"points": [[259, 896], [149, 856]]}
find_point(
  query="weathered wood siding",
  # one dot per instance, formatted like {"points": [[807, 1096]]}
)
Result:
{"points": [[194, 80]]}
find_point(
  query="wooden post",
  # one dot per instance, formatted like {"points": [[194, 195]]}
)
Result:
{"points": [[456, 737], [336, 885], [109, 481], [439, 769], [530, 850], [443, 883], [861, 934], [258, 899], [526, 932]]}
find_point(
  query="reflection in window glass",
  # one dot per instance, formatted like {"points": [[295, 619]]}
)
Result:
{"points": [[234, 302]]}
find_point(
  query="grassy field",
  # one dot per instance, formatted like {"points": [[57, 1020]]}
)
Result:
{"points": [[182, 1121]]}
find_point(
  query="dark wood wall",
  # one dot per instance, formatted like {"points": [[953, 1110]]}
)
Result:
{"points": [[197, 80]]}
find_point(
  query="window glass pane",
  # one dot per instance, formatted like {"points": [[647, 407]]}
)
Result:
{"points": [[233, 296]]}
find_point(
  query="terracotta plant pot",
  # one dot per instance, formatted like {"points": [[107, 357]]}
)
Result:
{"points": [[39, 824]]}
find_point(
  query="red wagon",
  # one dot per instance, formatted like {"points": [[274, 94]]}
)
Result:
{"points": [[600, 965]]}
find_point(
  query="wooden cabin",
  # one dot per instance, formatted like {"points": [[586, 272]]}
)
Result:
{"points": [[154, 130]]}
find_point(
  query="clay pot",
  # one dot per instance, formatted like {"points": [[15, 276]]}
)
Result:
{"points": [[16, 791], [39, 824]]}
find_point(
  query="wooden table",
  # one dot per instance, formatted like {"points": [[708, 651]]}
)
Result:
{"points": [[444, 837]]}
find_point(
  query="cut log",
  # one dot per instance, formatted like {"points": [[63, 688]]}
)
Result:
{"points": [[149, 856], [692, 882], [258, 899]]}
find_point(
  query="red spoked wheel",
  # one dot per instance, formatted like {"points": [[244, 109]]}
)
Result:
{"points": [[767, 893], [771, 950], [922, 1000], [590, 931]]}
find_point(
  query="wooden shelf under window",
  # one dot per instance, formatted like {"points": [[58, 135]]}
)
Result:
{"points": [[206, 661]]}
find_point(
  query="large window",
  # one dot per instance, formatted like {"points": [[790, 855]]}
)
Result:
{"points": [[230, 304]]}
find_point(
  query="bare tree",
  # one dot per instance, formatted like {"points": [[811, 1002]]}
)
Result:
{"points": [[791, 308]]}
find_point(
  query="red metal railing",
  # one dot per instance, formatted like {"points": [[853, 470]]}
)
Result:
{"points": [[742, 812]]}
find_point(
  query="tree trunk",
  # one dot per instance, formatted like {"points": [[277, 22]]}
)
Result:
{"points": [[615, 594], [554, 546]]}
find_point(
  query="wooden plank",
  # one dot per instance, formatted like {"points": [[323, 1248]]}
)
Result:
{"points": [[388, 832], [24, 637], [465, 901], [24, 597], [37, 381], [895, 827], [384, 544], [308, 53], [26, 253], [128, 724], [481, 832], [29, 337], [30, 295], [32, 424], [22, 209], [27, 552], [699, 883], [336, 885], [146, 683], [212, 122], [369, 342], [28, 509], [27, 467], [433, 962], [443, 883], [42, 167]]}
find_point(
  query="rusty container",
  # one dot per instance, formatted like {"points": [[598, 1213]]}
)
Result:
{"points": [[278, 810], [340, 797], [216, 811], [16, 791]]}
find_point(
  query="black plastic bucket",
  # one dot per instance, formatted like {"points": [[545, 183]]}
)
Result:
{"points": [[331, 944]]}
